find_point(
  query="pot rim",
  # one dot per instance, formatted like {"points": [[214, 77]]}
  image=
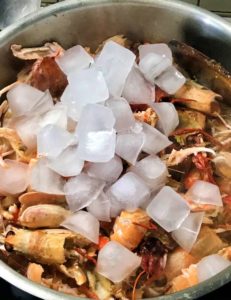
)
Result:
{"points": [[20, 281]]}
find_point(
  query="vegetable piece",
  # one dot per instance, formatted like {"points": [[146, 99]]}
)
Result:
{"points": [[84, 224], [103, 240], [177, 260], [116, 262], [188, 279], [191, 119], [210, 266], [205, 193], [126, 229], [34, 272], [204, 99], [207, 243], [175, 210]]}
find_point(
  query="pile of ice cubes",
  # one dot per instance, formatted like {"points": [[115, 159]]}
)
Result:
{"points": [[85, 143]]}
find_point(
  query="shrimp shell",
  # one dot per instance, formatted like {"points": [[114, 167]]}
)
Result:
{"points": [[43, 215], [126, 230], [44, 246]]}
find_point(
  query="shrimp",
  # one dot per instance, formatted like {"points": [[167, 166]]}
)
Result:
{"points": [[127, 230], [45, 246]]}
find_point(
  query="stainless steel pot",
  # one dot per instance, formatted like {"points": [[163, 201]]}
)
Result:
{"points": [[88, 22]]}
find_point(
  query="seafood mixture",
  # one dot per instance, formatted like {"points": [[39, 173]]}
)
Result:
{"points": [[115, 168]]}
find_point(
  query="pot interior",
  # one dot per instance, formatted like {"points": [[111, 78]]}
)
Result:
{"points": [[90, 22]]}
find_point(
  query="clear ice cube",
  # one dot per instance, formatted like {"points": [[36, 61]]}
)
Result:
{"points": [[129, 146], [116, 262], [168, 209], [115, 62], [108, 171], [81, 190], [130, 191]]}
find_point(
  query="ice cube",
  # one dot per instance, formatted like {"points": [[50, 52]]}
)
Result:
{"points": [[88, 86], [137, 89], [171, 80], [168, 209], [100, 208], [204, 192], [160, 49], [95, 117], [22, 98], [211, 265], [116, 262], [115, 206], [14, 177], [115, 62], [52, 140], [85, 86], [154, 140], [67, 163], [129, 146], [152, 170], [68, 100], [187, 233], [96, 135], [85, 224], [27, 129], [98, 146], [130, 191], [81, 190], [168, 117], [74, 59], [44, 180], [56, 116], [108, 171], [44, 104], [153, 65], [122, 113]]}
